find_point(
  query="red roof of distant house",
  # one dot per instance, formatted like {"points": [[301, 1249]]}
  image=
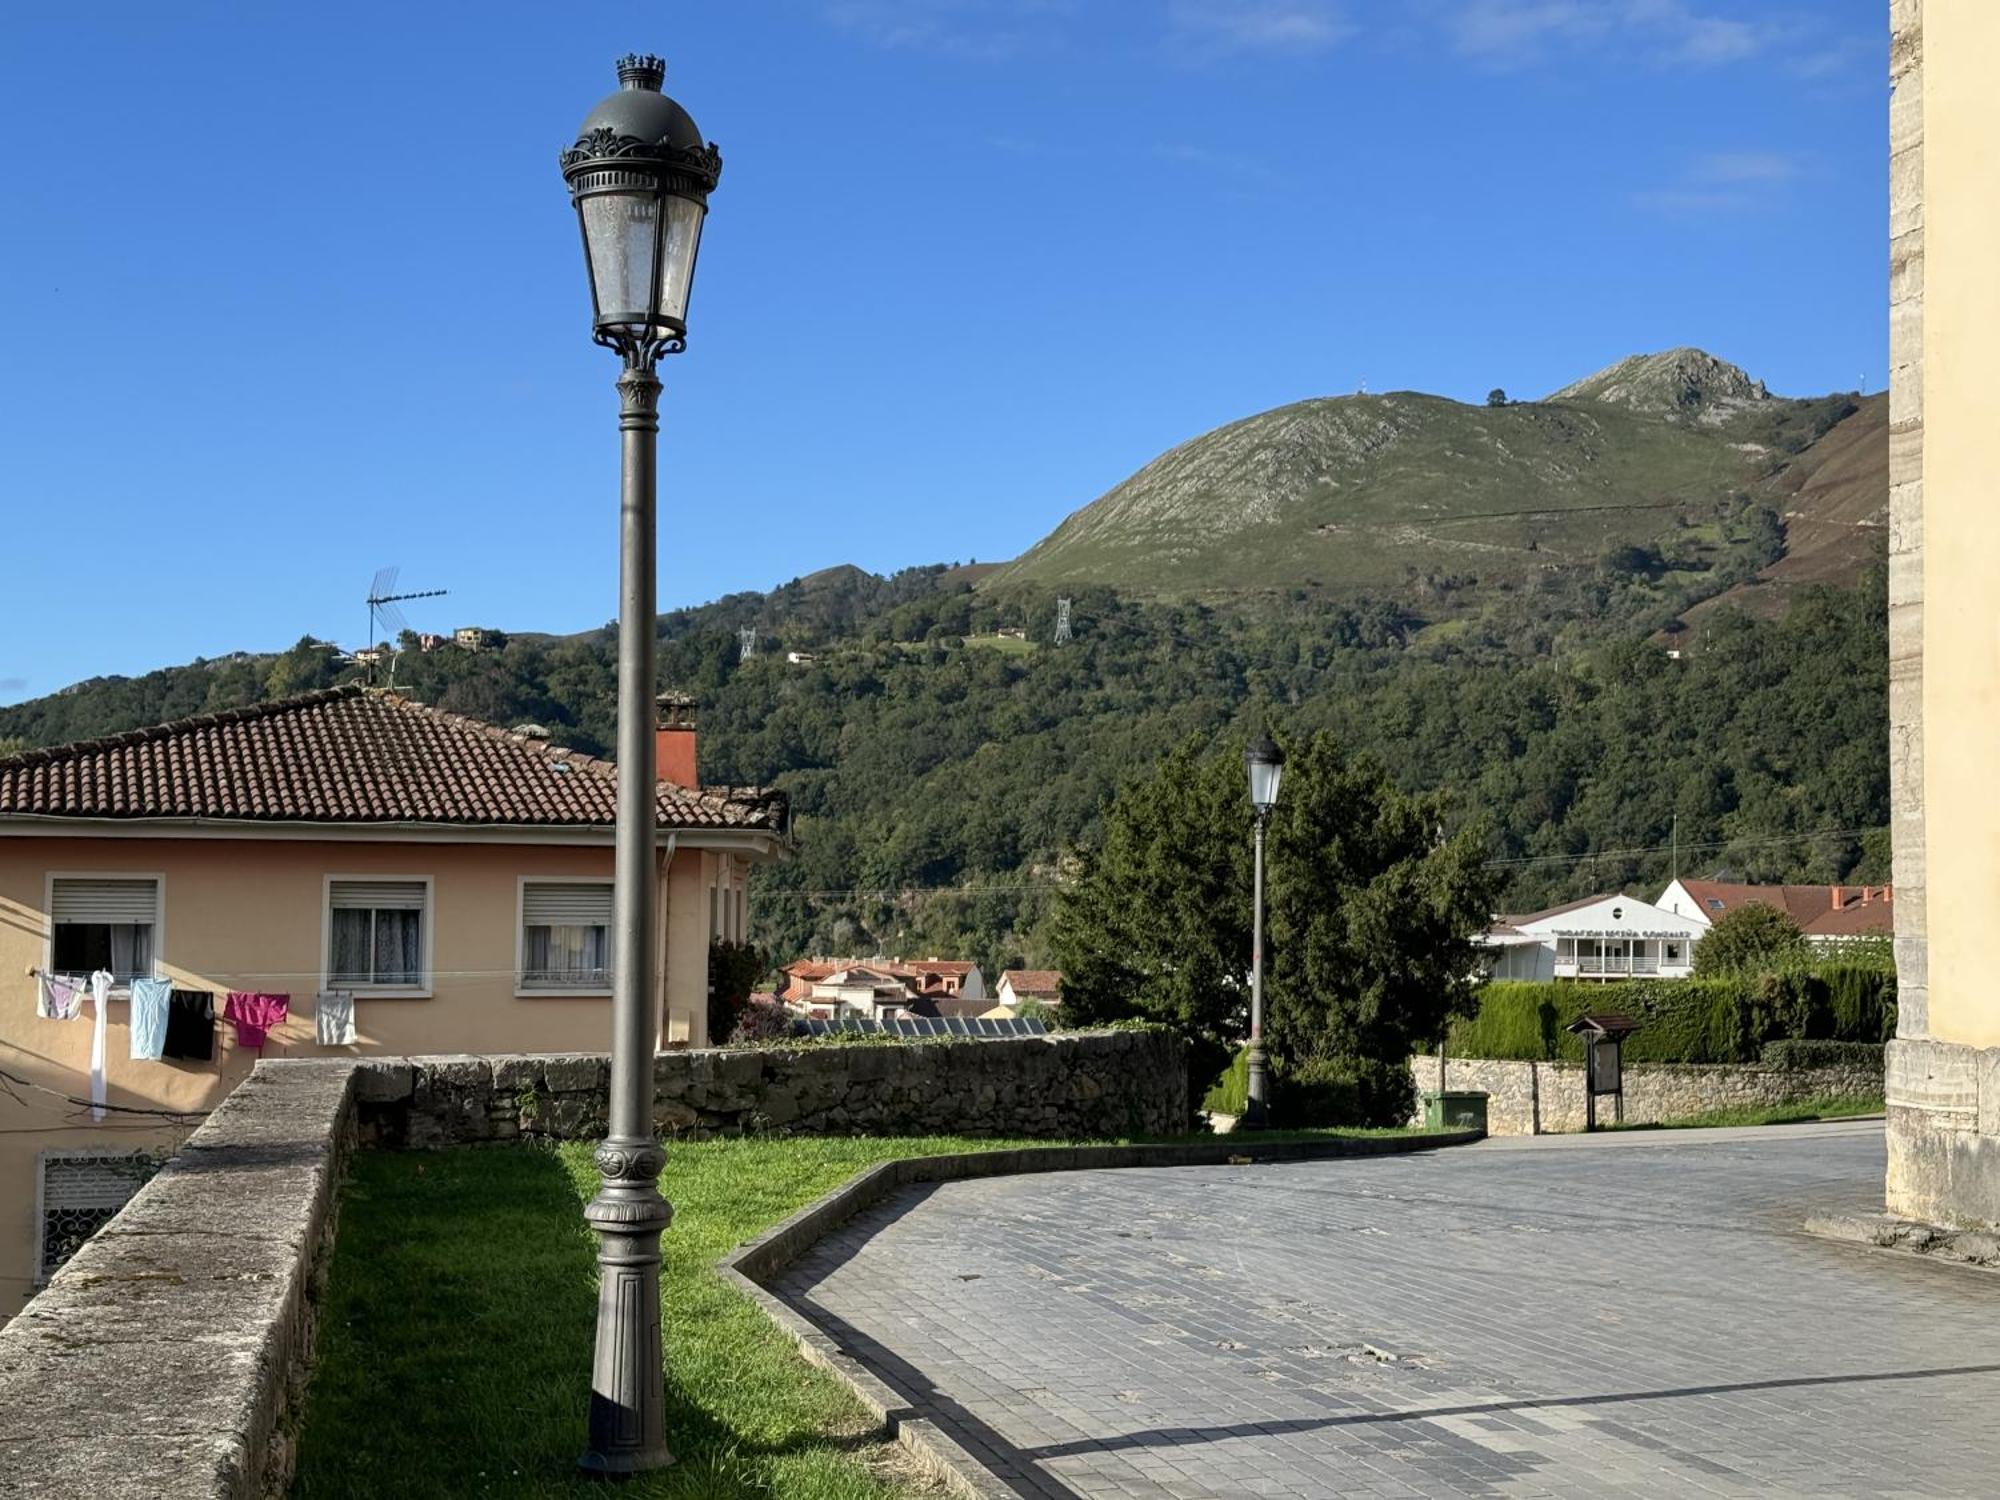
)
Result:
{"points": [[348, 755], [1041, 984], [920, 974], [1817, 910]]}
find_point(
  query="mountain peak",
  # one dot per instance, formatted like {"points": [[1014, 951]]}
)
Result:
{"points": [[1676, 382]]}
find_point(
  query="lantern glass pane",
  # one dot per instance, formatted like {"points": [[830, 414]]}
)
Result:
{"points": [[683, 237], [621, 231], [1264, 783]]}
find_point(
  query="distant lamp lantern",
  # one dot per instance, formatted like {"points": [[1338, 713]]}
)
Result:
{"points": [[1266, 764], [640, 175]]}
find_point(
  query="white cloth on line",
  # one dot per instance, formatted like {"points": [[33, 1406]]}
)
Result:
{"points": [[100, 998], [333, 1015]]}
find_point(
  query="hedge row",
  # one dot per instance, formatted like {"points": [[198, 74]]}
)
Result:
{"points": [[1684, 1020]]}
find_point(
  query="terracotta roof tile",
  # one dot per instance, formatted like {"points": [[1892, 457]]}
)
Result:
{"points": [[1810, 907], [1033, 981], [348, 755]]}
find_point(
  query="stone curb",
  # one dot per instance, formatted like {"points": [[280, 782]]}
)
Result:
{"points": [[1979, 1248], [771, 1252]]}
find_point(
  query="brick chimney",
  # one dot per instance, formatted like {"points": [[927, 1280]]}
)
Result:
{"points": [[1839, 895], [674, 740]]}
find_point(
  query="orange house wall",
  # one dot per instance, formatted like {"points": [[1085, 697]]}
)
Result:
{"points": [[249, 914]]}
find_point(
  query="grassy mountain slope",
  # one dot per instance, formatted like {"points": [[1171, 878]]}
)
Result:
{"points": [[1835, 505], [1359, 494]]}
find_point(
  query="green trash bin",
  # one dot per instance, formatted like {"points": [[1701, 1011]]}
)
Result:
{"points": [[1455, 1109]]}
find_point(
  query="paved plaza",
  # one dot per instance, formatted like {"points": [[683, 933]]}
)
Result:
{"points": [[1631, 1315]]}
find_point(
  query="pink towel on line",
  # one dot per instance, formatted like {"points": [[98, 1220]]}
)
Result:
{"points": [[254, 1015]]}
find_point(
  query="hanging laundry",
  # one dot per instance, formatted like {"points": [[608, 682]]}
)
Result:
{"points": [[60, 997], [191, 1026], [334, 1012], [254, 1015], [149, 1018], [100, 1000]]}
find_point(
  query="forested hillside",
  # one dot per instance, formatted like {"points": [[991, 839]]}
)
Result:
{"points": [[939, 772], [1653, 596]]}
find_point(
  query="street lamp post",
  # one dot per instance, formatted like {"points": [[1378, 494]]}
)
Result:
{"points": [[639, 176], [1266, 764]]}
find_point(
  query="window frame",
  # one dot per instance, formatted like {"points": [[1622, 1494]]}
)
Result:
{"points": [[38, 1248], [159, 879], [524, 991], [426, 988]]}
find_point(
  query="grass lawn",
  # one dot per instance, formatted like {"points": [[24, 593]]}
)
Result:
{"points": [[455, 1340], [1831, 1107]]}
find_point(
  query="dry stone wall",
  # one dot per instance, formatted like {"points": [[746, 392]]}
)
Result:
{"points": [[1546, 1098], [1097, 1084]]}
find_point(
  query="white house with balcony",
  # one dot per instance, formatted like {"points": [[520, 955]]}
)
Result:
{"points": [[1599, 937]]}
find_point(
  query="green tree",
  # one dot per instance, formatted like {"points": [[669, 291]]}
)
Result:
{"points": [[1158, 925], [1369, 918], [1496, 397], [1372, 911], [307, 666], [1752, 939]]}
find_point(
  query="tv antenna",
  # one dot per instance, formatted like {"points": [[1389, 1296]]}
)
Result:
{"points": [[383, 600], [1063, 636], [746, 643]]}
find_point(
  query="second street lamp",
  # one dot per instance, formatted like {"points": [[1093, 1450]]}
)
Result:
{"points": [[1265, 763], [639, 175]]}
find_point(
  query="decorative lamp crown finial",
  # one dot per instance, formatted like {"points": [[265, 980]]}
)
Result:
{"points": [[642, 70]]}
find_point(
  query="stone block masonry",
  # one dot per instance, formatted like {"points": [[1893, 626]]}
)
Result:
{"points": [[1086, 1086], [1546, 1098]]}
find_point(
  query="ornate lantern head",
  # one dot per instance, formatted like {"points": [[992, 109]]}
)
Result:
{"points": [[1266, 765], [640, 175]]}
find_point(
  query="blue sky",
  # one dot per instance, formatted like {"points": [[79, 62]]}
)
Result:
{"points": [[289, 293]]}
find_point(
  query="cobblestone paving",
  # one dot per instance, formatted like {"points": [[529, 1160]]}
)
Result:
{"points": [[1618, 1316]]}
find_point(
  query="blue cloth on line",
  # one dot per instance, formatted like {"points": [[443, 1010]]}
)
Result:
{"points": [[149, 1018]]}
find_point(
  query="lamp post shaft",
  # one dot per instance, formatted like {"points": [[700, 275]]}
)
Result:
{"points": [[627, 1386], [1256, 1109]]}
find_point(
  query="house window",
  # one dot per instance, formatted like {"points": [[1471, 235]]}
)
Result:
{"points": [[104, 924], [77, 1192], [376, 933], [1672, 953], [566, 935]]}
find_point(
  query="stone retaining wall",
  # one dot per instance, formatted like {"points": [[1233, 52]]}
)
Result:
{"points": [[1092, 1085], [1546, 1098], [168, 1358]]}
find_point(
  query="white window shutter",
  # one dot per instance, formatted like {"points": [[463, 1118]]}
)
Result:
{"points": [[566, 904], [378, 895], [110, 901]]}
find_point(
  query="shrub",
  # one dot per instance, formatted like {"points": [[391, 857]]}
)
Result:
{"points": [[1322, 1093], [1793, 1054], [759, 1022], [1751, 939], [1861, 999], [1514, 1020], [1230, 1093]]}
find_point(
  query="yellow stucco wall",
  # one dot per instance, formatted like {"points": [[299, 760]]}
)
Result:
{"points": [[249, 914], [1961, 526]]}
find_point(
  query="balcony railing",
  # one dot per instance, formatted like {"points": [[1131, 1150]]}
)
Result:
{"points": [[1612, 966]]}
